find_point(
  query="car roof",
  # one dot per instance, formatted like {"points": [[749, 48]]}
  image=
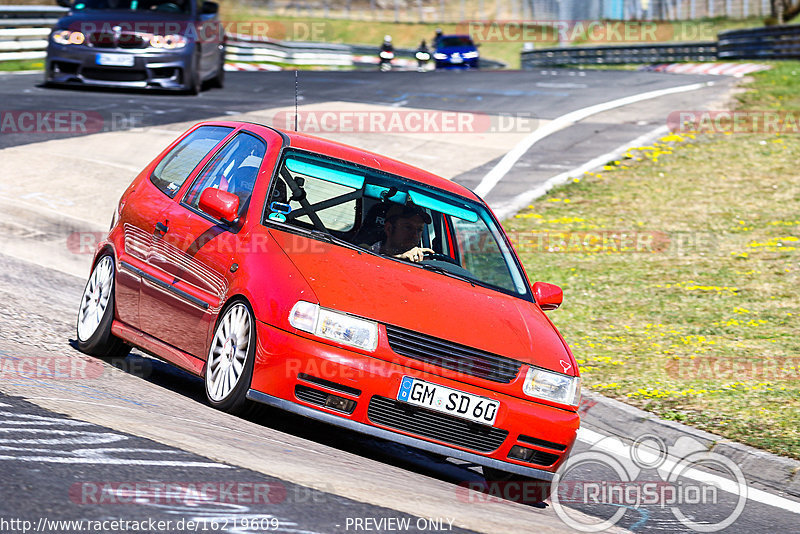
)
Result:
{"points": [[352, 154]]}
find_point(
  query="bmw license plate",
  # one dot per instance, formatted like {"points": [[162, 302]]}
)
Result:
{"points": [[446, 400], [115, 60]]}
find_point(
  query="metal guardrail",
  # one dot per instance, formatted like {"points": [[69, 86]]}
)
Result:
{"points": [[774, 42], [18, 16], [619, 55]]}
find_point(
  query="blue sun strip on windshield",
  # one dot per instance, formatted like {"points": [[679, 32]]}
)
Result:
{"points": [[437, 205]]}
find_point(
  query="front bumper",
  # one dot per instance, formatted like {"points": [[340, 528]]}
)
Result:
{"points": [[302, 375], [73, 64]]}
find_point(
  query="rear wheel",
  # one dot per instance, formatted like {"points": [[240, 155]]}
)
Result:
{"points": [[229, 367], [96, 313]]}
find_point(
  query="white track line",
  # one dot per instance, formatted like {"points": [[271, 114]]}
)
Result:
{"points": [[510, 207], [494, 176], [617, 448]]}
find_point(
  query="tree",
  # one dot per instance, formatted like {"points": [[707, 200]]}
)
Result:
{"points": [[783, 11]]}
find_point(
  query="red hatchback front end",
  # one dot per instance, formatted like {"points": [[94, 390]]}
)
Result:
{"points": [[263, 261]]}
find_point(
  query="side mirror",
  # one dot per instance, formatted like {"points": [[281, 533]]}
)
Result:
{"points": [[547, 296], [64, 3], [209, 8], [220, 204]]}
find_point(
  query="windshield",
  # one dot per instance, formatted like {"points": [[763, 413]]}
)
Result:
{"points": [[360, 207], [455, 41], [161, 6]]}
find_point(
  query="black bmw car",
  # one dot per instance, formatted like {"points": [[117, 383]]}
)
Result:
{"points": [[159, 44]]}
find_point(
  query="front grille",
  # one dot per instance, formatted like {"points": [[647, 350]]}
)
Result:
{"points": [[452, 356], [542, 458], [536, 457], [310, 395], [114, 75], [441, 427], [127, 40], [542, 443]]}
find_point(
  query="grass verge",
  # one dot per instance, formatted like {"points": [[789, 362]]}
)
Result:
{"points": [[18, 65], [680, 266]]}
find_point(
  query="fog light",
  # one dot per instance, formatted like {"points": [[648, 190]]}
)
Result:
{"points": [[520, 453], [340, 404]]}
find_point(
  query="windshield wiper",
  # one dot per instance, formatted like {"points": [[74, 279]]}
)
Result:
{"points": [[442, 270]]}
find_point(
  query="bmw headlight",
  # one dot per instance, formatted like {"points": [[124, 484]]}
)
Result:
{"points": [[67, 37], [439, 55], [552, 386], [470, 55], [335, 326], [167, 42]]}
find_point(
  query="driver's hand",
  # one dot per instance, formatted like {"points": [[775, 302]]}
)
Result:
{"points": [[415, 255]]}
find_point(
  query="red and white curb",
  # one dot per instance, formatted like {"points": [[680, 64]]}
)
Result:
{"points": [[719, 69], [251, 67]]}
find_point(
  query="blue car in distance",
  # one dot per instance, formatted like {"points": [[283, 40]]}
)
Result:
{"points": [[455, 52]]}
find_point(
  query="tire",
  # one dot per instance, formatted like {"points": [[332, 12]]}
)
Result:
{"points": [[229, 367], [219, 79], [531, 490], [195, 83], [96, 313]]}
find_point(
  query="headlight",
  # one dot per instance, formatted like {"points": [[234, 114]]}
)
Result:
{"points": [[66, 37], [168, 42], [470, 55], [334, 325], [552, 386], [439, 55]]}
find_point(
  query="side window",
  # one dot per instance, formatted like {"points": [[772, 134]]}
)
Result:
{"points": [[318, 193], [234, 169], [179, 163]]}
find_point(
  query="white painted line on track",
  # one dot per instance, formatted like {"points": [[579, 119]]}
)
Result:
{"points": [[494, 176], [510, 207], [617, 448]]}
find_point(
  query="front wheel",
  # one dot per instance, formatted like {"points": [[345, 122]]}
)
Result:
{"points": [[229, 367], [96, 313]]}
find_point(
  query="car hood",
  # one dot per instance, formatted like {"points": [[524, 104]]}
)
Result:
{"points": [[405, 295], [140, 21]]}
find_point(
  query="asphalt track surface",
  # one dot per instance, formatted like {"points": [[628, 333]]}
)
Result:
{"points": [[143, 412]]}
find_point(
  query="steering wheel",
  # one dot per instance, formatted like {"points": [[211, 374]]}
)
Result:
{"points": [[435, 256]]}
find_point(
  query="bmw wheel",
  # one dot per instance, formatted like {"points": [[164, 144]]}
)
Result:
{"points": [[96, 313], [229, 367]]}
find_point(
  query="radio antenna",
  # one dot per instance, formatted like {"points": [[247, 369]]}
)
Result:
{"points": [[296, 84]]}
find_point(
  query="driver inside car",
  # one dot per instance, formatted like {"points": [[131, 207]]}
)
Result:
{"points": [[403, 227]]}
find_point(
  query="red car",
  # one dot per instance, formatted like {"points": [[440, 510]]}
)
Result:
{"points": [[255, 258]]}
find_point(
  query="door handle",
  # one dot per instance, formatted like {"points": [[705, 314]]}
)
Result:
{"points": [[161, 229]]}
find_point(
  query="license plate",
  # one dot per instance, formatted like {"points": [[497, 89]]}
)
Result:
{"points": [[447, 400], [456, 59], [115, 60]]}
